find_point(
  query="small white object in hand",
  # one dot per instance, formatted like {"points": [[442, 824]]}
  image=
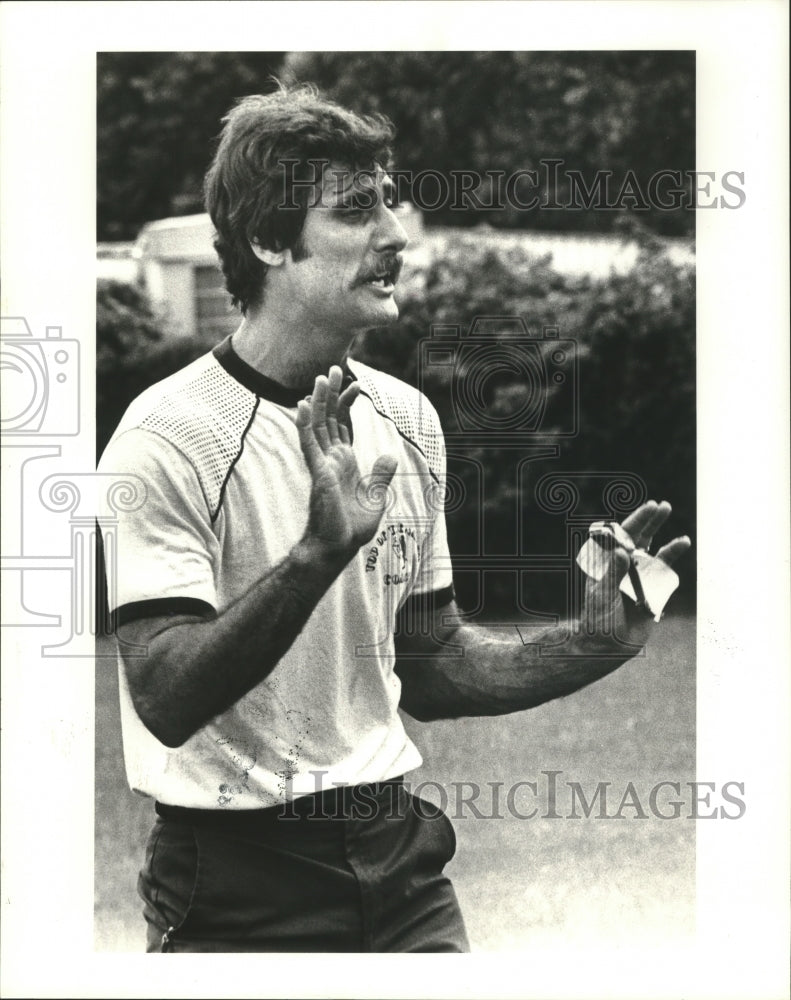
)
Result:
{"points": [[658, 580]]}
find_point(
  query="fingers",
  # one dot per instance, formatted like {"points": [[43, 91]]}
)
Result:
{"points": [[604, 608], [602, 596], [318, 412], [345, 400], [616, 570], [323, 419], [329, 412], [674, 550], [644, 523], [334, 380], [307, 438]]}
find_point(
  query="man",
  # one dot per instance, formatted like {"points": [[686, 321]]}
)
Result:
{"points": [[289, 581]]}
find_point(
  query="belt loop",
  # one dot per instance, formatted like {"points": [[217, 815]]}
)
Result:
{"points": [[166, 940]]}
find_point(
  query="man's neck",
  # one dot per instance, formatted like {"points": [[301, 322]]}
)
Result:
{"points": [[286, 353]]}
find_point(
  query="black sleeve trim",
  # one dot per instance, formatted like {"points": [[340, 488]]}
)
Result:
{"points": [[161, 606], [418, 605]]}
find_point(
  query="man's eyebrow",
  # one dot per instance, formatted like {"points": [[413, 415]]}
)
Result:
{"points": [[362, 196], [343, 180], [350, 187], [351, 198]]}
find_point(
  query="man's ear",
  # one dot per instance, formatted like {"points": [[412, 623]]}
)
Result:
{"points": [[271, 257]]}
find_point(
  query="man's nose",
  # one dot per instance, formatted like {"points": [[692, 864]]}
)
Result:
{"points": [[390, 234]]}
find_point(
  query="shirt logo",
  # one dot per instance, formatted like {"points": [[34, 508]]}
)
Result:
{"points": [[397, 546]]}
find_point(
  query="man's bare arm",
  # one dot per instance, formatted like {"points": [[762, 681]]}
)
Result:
{"points": [[497, 674], [196, 669]]}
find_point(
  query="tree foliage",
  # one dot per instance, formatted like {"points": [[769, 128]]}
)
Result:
{"points": [[159, 112], [487, 111], [158, 116]]}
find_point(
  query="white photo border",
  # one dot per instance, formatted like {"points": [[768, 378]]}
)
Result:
{"points": [[48, 256]]}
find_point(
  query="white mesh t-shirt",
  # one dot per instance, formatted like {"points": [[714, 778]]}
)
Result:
{"points": [[227, 491]]}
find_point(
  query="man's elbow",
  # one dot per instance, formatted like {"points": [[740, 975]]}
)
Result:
{"points": [[413, 698], [423, 705], [165, 733], [420, 711], [171, 738], [168, 731], [425, 694]]}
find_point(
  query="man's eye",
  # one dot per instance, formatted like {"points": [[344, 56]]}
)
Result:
{"points": [[354, 212]]}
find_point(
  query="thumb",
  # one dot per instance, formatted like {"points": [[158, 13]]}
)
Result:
{"points": [[602, 594], [384, 468], [383, 471], [619, 566], [373, 492]]}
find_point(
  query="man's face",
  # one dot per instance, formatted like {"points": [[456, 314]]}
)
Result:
{"points": [[343, 273]]}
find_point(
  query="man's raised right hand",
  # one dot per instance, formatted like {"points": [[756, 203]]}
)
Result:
{"points": [[341, 519]]}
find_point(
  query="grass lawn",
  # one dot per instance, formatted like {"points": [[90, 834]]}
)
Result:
{"points": [[521, 882]]}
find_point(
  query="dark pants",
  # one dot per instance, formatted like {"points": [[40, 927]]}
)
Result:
{"points": [[340, 871]]}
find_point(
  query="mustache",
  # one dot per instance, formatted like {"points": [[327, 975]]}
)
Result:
{"points": [[388, 265]]}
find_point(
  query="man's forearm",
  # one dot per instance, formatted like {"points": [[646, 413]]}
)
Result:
{"points": [[196, 669], [497, 674]]}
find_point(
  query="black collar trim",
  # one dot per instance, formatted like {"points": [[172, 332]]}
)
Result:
{"points": [[261, 385]]}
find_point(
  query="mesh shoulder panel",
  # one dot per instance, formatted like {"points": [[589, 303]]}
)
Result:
{"points": [[203, 412], [413, 415]]}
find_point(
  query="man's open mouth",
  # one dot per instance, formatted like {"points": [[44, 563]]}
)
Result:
{"points": [[385, 277]]}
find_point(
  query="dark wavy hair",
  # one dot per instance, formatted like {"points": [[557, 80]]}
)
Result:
{"points": [[251, 196]]}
